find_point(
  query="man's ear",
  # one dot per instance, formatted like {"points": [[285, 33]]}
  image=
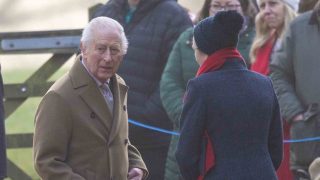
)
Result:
{"points": [[82, 48]]}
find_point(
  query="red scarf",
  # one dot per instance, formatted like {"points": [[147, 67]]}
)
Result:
{"points": [[217, 59], [262, 61], [213, 62]]}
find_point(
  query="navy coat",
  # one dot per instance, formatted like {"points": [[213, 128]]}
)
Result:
{"points": [[240, 112]]}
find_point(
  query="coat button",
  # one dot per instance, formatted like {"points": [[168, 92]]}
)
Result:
{"points": [[124, 108], [126, 141], [93, 115]]}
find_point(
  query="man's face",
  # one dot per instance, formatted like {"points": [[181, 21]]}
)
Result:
{"points": [[103, 54]]}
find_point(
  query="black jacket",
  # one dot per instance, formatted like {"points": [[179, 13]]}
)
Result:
{"points": [[3, 158], [154, 28]]}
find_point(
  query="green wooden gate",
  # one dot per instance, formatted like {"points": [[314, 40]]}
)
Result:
{"points": [[62, 45]]}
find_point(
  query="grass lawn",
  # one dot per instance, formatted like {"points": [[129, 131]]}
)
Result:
{"points": [[22, 120]]}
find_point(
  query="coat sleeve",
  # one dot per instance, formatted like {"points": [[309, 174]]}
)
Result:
{"points": [[52, 135], [282, 75], [172, 87], [135, 160], [192, 123], [275, 139]]}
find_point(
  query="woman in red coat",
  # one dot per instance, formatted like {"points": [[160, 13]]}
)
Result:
{"points": [[271, 23]]}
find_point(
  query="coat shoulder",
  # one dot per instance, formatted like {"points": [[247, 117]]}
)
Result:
{"points": [[120, 80], [172, 6], [301, 21], [60, 85]]}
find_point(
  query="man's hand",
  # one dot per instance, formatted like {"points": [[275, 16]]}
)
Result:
{"points": [[135, 174]]}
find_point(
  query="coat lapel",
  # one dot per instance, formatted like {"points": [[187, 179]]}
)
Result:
{"points": [[119, 93], [89, 92], [96, 102]]}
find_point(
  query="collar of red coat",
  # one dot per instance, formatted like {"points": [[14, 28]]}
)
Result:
{"points": [[262, 61]]}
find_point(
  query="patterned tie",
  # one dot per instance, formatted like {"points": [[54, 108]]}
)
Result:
{"points": [[107, 94]]}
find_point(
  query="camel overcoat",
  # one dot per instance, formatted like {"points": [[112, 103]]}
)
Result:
{"points": [[76, 135]]}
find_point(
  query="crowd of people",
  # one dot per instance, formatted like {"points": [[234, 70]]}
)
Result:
{"points": [[236, 80], [269, 33]]}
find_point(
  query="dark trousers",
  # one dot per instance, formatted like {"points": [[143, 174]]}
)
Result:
{"points": [[155, 160]]}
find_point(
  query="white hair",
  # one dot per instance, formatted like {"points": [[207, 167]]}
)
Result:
{"points": [[104, 23]]}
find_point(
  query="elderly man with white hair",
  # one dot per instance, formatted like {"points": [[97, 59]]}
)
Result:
{"points": [[81, 125]]}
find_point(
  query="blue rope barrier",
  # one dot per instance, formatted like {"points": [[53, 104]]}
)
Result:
{"points": [[302, 140], [153, 128], [178, 134]]}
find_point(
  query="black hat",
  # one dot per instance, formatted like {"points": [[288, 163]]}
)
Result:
{"points": [[218, 32]]}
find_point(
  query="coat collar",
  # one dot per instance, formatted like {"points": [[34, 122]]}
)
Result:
{"points": [[234, 63], [88, 90]]}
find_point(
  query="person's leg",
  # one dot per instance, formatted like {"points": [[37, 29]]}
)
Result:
{"points": [[171, 168], [284, 172], [155, 159]]}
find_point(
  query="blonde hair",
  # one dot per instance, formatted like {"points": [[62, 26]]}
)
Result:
{"points": [[263, 32]]}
